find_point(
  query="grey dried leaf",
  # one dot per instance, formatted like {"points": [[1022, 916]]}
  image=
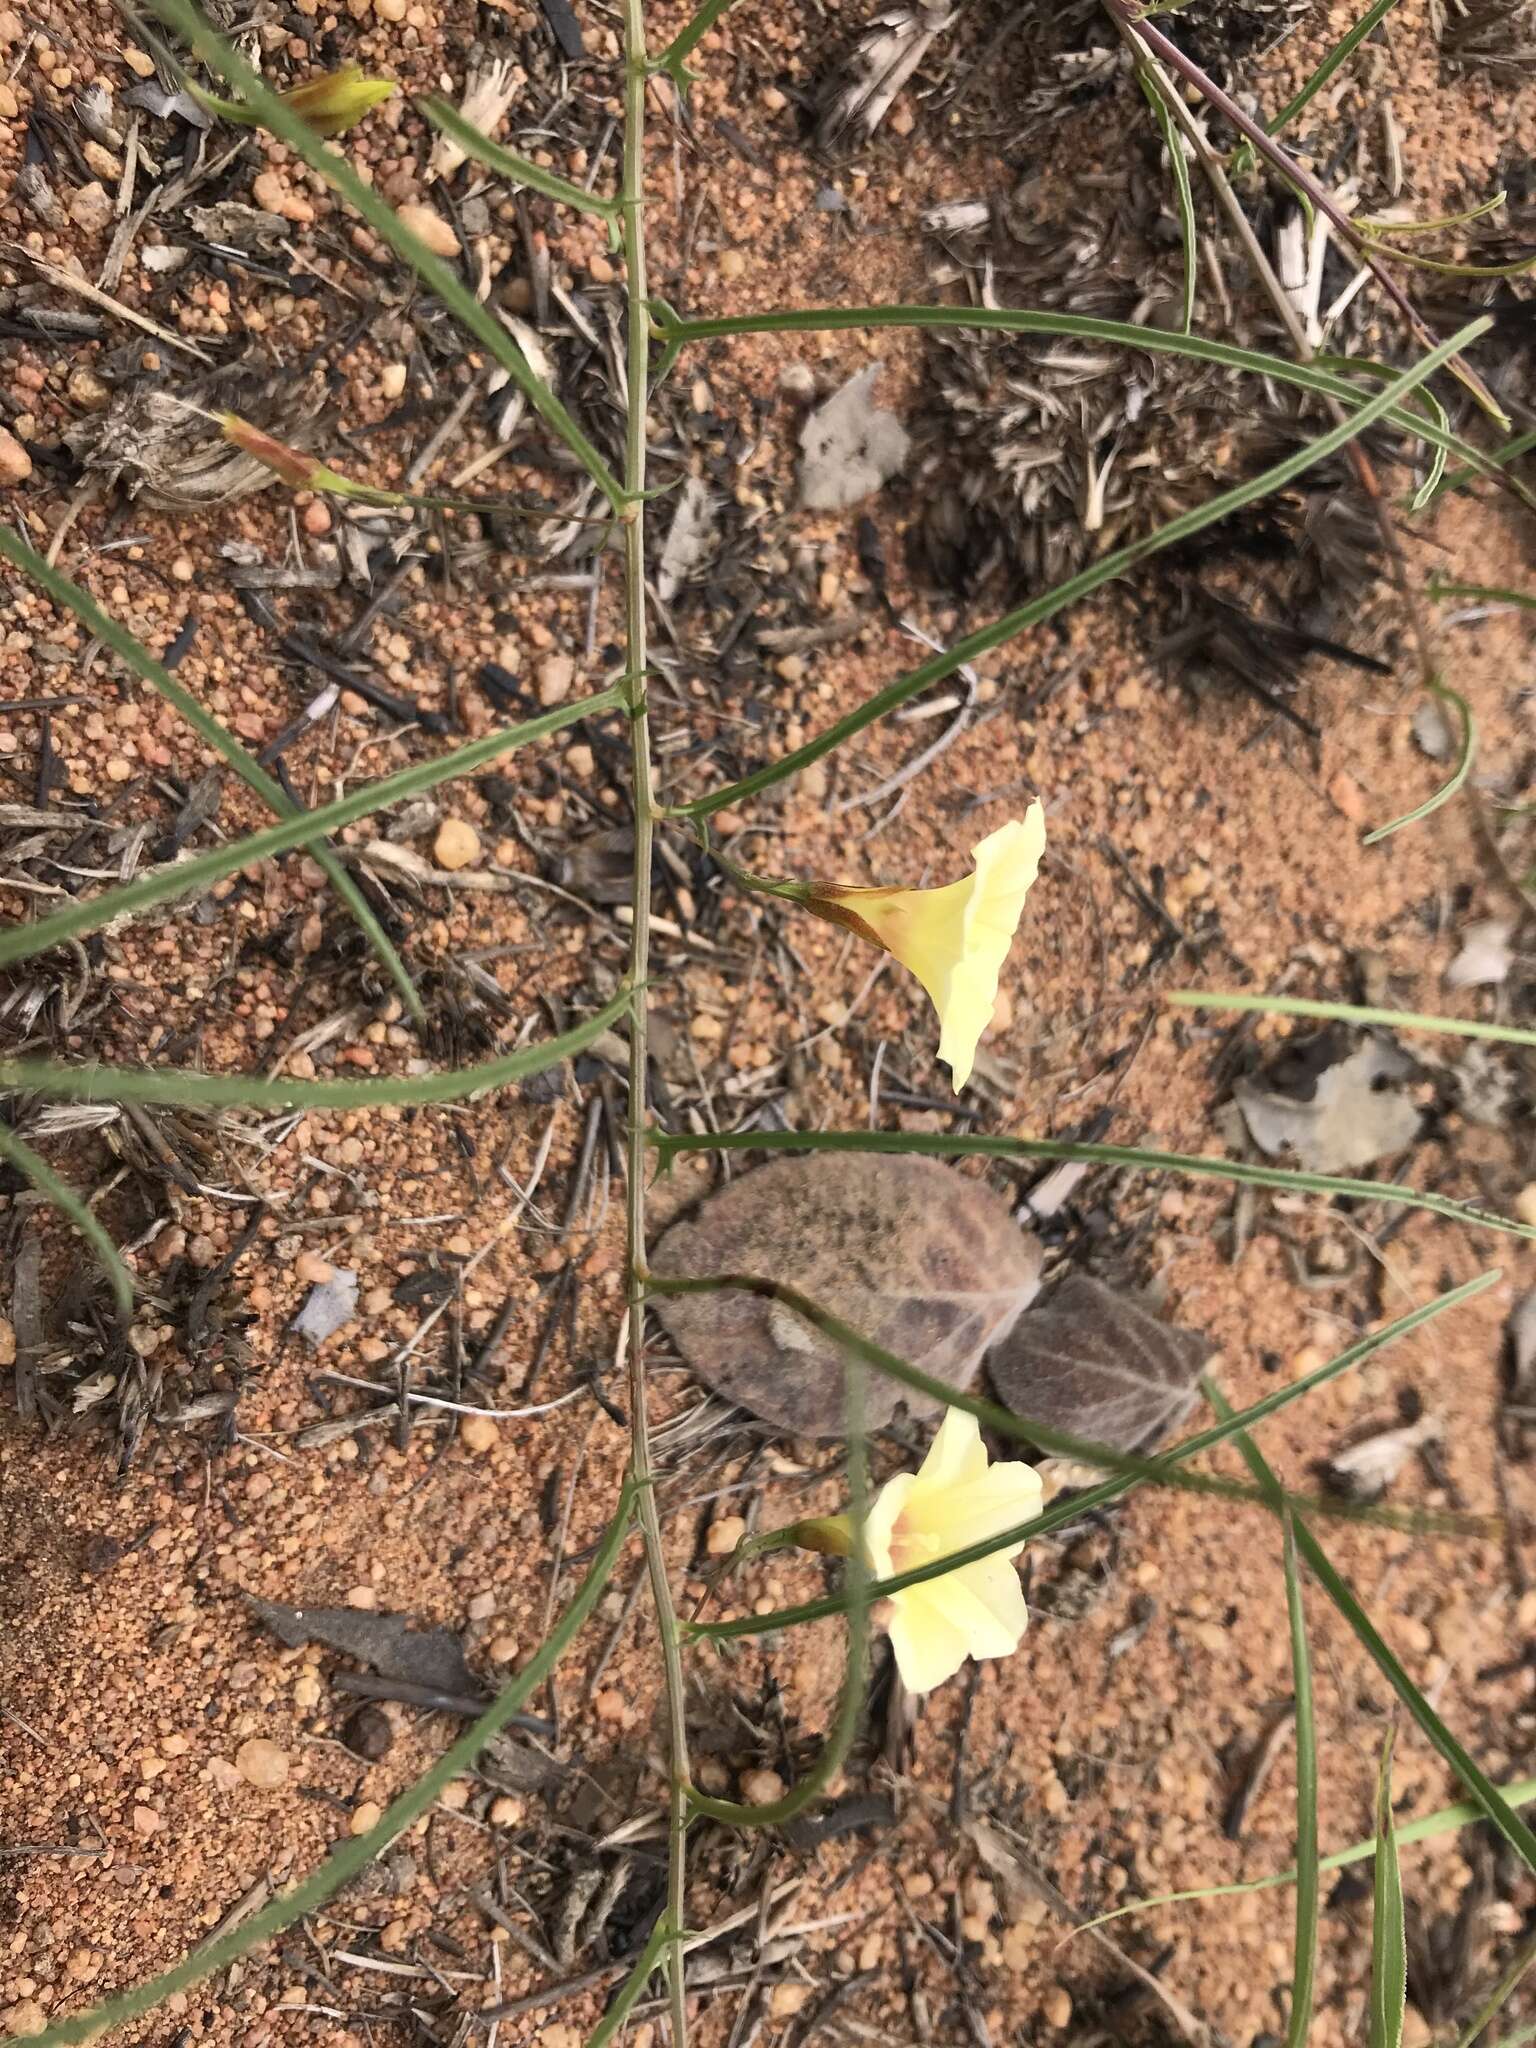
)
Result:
{"points": [[1485, 959], [235, 225], [1097, 1362], [690, 539], [330, 1304], [887, 53], [1363, 1471], [385, 1642], [917, 1257], [851, 446], [1332, 1108]]}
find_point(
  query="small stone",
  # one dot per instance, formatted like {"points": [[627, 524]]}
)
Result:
{"points": [[390, 10], [392, 380], [365, 1817], [761, 1787], [786, 1999], [1347, 797], [773, 100], [137, 62], [1525, 1209], [478, 1433], [797, 380], [101, 160], [369, 1733], [506, 1812], [312, 1269], [306, 1691], [791, 667], [146, 1822], [502, 1649], [24, 2019], [15, 462], [271, 194], [902, 120], [457, 844], [1057, 2006], [91, 209], [481, 1607], [425, 222], [732, 263], [557, 672], [10, 106], [119, 769], [87, 390], [609, 1705], [262, 1763], [7, 1342], [725, 1534], [455, 1796], [183, 568], [317, 518]]}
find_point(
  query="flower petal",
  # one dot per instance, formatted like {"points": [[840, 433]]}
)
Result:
{"points": [[987, 1503], [956, 1457], [880, 1523], [1007, 862], [987, 1601], [930, 1645]]}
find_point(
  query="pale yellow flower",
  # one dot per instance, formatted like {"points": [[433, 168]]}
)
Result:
{"points": [[954, 1500], [954, 939]]}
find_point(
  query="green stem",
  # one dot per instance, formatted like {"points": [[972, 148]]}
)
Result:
{"points": [[632, 206], [507, 164], [663, 1935], [349, 1857], [674, 58], [137, 657], [1196, 520], [941, 1145]]}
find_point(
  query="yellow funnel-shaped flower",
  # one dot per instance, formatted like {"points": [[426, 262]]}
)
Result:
{"points": [[955, 1499], [954, 939]]}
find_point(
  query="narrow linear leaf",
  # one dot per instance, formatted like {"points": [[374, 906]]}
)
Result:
{"points": [[137, 657], [1338, 56], [1308, 1881], [347, 1858], [1481, 593], [1483, 1791], [677, 333], [1351, 1013], [1389, 1936], [1500, 1995], [1046, 606], [1429, 1827], [1511, 451], [304, 828], [507, 164], [63, 1197], [1457, 776], [1080, 1503], [942, 1145], [221, 56], [254, 1091], [1184, 196], [629, 1991]]}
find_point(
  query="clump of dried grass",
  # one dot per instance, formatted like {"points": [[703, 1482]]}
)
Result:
{"points": [[1490, 35]]}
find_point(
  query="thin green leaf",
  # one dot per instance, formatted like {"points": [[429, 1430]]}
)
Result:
{"points": [[1308, 1883], [36, 1169], [507, 164], [221, 56], [674, 58], [1389, 1935], [347, 1858], [1093, 1497], [1173, 143], [1478, 1784], [1338, 56], [1350, 1013], [1481, 593], [1429, 1827], [303, 828], [1512, 450], [1499, 1996], [1458, 775], [256, 1091], [132, 652], [677, 333], [942, 1145], [1196, 520], [1432, 227]]}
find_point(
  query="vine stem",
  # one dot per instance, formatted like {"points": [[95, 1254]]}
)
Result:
{"points": [[632, 206]]}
